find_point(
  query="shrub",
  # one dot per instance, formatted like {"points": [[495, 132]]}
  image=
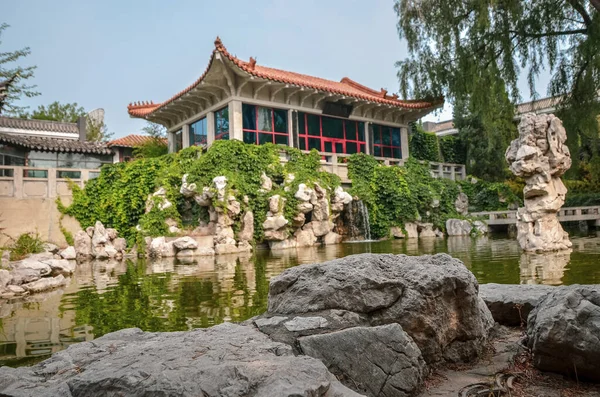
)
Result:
{"points": [[423, 145], [27, 243]]}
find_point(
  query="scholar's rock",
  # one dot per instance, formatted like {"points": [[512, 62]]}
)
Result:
{"points": [[540, 156]]}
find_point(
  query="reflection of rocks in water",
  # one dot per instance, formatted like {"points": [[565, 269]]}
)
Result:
{"points": [[106, 273], [412, 246], [544, 268], [162, 265]]}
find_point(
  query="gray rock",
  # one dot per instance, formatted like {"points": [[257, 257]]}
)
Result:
{"points": [[270, 321], [563, 332], [462, 204], [83, 244], [434, 298], [185, 243], [68, 253], [305, 323], [510, 304], [22, 276], [120, 244], [33, 264], [381, 361], [5, 278], [481, 227], [225, 360], [45, 284], [61, 266], [458, 227], [49, 247], [16, 289]]}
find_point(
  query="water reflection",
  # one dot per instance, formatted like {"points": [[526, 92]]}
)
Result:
{"points": [[169, 295]]}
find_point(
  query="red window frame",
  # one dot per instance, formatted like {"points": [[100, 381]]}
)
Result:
{"points": [[381, 145], [272, 133], [361, 146]]}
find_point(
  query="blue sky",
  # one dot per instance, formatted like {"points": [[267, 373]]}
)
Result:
{"points": [[109, 53]]}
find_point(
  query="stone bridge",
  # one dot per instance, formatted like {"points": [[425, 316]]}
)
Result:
{"points": [[567, 214]]}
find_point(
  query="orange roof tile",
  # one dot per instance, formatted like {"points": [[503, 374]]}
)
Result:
{"points": [[345, 87], [132, 141]]}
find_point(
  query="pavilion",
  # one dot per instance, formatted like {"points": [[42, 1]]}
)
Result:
{"points": [[236, 99]]}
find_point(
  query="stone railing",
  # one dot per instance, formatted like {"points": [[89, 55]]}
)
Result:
{"points": [[32, 182], [338, 164], [568, 214]]}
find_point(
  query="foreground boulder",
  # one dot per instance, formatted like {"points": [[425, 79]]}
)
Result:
{"points": [[225, 360], [434, 299], [389, 362], [563, 332], [510, 304]]}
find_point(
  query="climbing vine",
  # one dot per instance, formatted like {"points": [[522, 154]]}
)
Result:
{"points": [[120, 195]]}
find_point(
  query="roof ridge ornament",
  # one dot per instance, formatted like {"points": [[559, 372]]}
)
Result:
{"points": [[252, 63], [218, 42]]}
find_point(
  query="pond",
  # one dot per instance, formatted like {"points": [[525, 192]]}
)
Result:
{"points": [[170, 295]]}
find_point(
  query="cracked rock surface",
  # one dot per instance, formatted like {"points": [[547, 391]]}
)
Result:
{"points": [[226, 360], [564, 332], [380, 361], [434, 298]]}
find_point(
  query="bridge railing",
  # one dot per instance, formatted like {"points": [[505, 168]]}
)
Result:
{"points": [[567, 214]]}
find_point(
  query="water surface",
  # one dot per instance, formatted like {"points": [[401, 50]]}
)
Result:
{"points": [[170, 295]]}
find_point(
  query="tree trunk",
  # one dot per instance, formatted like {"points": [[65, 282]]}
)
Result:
{"points": [[596, 4]]}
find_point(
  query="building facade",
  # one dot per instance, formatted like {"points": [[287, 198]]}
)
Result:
{"points": [[42, 144], [236, 99]]}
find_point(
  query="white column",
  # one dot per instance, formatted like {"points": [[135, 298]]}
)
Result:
{"points": [[171, 141], [290, 116], [235, 120], [404, 142], [368, 137], [210, 127], [185, 135]]}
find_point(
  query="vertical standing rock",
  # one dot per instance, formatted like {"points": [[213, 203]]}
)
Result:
{"points": [[541, 157]]}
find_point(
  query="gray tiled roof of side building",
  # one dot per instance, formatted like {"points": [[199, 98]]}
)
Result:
{"points": [[55, 144], [39, 125]]}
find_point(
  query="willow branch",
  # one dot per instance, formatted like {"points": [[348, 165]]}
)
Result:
{"points": [[580, 8]]}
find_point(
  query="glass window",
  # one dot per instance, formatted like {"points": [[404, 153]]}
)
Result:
{"points": [[222, 124], [199, 132], [387, 141], [177, 140], [330, 134], [264, 125], [68, 174]]}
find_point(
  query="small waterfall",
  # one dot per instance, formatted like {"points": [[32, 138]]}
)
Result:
{"points": [[357, 221], [364, 211]]}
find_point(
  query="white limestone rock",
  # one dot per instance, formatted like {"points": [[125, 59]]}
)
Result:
{"points": [[185, 243], [68, 253], [540, 156], [458, 227]]}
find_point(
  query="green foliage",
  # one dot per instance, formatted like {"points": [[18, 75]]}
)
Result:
{"points": [[489, 196], [452, 149], [423, 145], [486, 132], [154, 147], [463, 48], [397, 195], [582, 193], [27, 243], [118, 196], [11, 69], [56, 111]]}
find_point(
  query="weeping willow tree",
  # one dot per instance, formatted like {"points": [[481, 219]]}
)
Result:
{"points": [[458, 48]]}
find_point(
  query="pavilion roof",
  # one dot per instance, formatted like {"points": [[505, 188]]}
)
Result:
{"points": [[132, 140], [345, 86], [54, 144]]}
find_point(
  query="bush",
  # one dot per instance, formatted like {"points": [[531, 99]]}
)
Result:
{"points": [[395, 195], [452, 149], [423, 145], [27, 243]]}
